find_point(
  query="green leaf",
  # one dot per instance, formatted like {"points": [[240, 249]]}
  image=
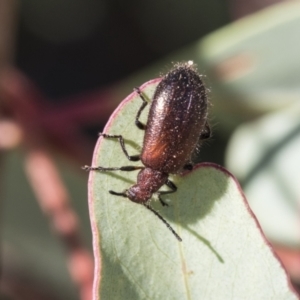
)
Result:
{"points": [[264, 154], [223, 254]]}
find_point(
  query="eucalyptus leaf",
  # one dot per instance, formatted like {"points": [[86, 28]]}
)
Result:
{"points": [[264, 155], [223, 254]]}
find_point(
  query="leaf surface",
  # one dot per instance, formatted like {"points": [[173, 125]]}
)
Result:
{"points": [[223, 254]]}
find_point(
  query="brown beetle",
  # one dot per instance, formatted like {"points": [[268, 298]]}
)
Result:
{"points": [[177, 123]]}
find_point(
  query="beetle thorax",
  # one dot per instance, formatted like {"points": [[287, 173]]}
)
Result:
{"points": [[148, 182]]}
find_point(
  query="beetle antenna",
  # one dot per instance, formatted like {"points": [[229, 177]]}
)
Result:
{"points": [[164, 221]]}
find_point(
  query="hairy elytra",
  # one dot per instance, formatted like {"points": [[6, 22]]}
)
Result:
{"points": [[176, 125], [176, 120]]}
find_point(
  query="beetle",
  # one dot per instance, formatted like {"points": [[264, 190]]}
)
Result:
{"points": [[177, 123]]}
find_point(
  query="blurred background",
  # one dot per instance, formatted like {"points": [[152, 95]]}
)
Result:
{"points": [[64, 68]]}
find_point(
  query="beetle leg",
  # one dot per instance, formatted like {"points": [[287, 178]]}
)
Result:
{"points": [[173, 188], [125, 168], [188, 166], [138, 123], [206, 132], [121, 141]]}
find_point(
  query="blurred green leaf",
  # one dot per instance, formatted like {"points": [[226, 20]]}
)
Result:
{"points": [[223, 254], [264, 155], [253, 63]]}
